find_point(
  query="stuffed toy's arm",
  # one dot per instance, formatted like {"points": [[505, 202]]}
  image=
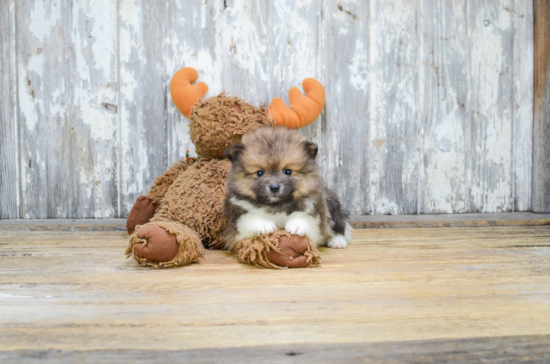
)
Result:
{"points": [[162, 182], [146, 206]]}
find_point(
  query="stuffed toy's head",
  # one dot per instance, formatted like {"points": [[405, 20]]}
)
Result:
{"points": [[219, 122]]}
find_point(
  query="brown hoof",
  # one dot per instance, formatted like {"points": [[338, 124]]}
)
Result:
{"points": [[142, 211], [161, 245], [292, 250]]}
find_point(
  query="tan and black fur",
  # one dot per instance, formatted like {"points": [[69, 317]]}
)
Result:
{"points": [[275, 182]]}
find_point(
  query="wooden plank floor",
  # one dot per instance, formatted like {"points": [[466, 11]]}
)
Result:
{"points": [[401, 295]]}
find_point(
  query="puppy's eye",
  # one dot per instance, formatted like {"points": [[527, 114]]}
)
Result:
{"points": [[260, 173], [287, 171]]}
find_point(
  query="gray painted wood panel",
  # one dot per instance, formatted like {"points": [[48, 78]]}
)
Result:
{"points": [[67, 102], [346, 132], [444, 108], [142, 95], [9, 176], [523, 104], [196, 49], [394, 145], [429, 104], [45, 125], [490, 45], [93, 105]]}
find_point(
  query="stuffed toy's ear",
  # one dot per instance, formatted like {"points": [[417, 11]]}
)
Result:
{"points": [[303, 110], [311, 149], [184, 94], [232, 153]]}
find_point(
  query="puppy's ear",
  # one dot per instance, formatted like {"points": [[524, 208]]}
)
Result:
{"points": [[233, 152], [311, 149]]}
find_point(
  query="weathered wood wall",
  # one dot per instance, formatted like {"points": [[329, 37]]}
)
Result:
{"points": [[429, 103], [541, 139]]}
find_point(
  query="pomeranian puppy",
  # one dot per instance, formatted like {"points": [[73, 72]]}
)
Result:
{"points": [[275, 183]]}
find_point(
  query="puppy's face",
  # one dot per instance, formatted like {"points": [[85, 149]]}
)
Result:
{"points": [[273, 165]]}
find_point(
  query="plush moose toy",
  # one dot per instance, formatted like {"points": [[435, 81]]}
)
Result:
{"points": [[182, 213]]}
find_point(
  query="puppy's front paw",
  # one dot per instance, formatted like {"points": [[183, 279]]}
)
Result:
{"points": [[262, 226], [338, 242], [298, 226]]}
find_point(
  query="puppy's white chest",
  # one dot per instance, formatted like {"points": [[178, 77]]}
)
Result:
{"points": [[280, 219], [258, 221]]}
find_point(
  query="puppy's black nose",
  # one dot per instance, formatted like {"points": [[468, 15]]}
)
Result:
{"points": [[274, 187]]}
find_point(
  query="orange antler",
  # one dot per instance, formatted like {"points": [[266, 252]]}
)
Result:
{"points": [[184, 94], [303, 110]]}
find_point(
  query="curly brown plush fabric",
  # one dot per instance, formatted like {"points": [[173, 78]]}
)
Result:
{"points": [[162, 182], [219, 122], [257, 251], [190, 246], [196, 200]]}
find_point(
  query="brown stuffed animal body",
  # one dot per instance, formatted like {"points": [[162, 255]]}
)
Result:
{"points": [[183, 212]]}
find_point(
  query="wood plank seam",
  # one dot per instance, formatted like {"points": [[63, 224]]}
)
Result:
{"points": [[358, 222]]}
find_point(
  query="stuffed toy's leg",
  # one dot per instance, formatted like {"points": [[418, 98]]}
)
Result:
{"points": [[278, 250], [145, 206], [162, 244]]}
